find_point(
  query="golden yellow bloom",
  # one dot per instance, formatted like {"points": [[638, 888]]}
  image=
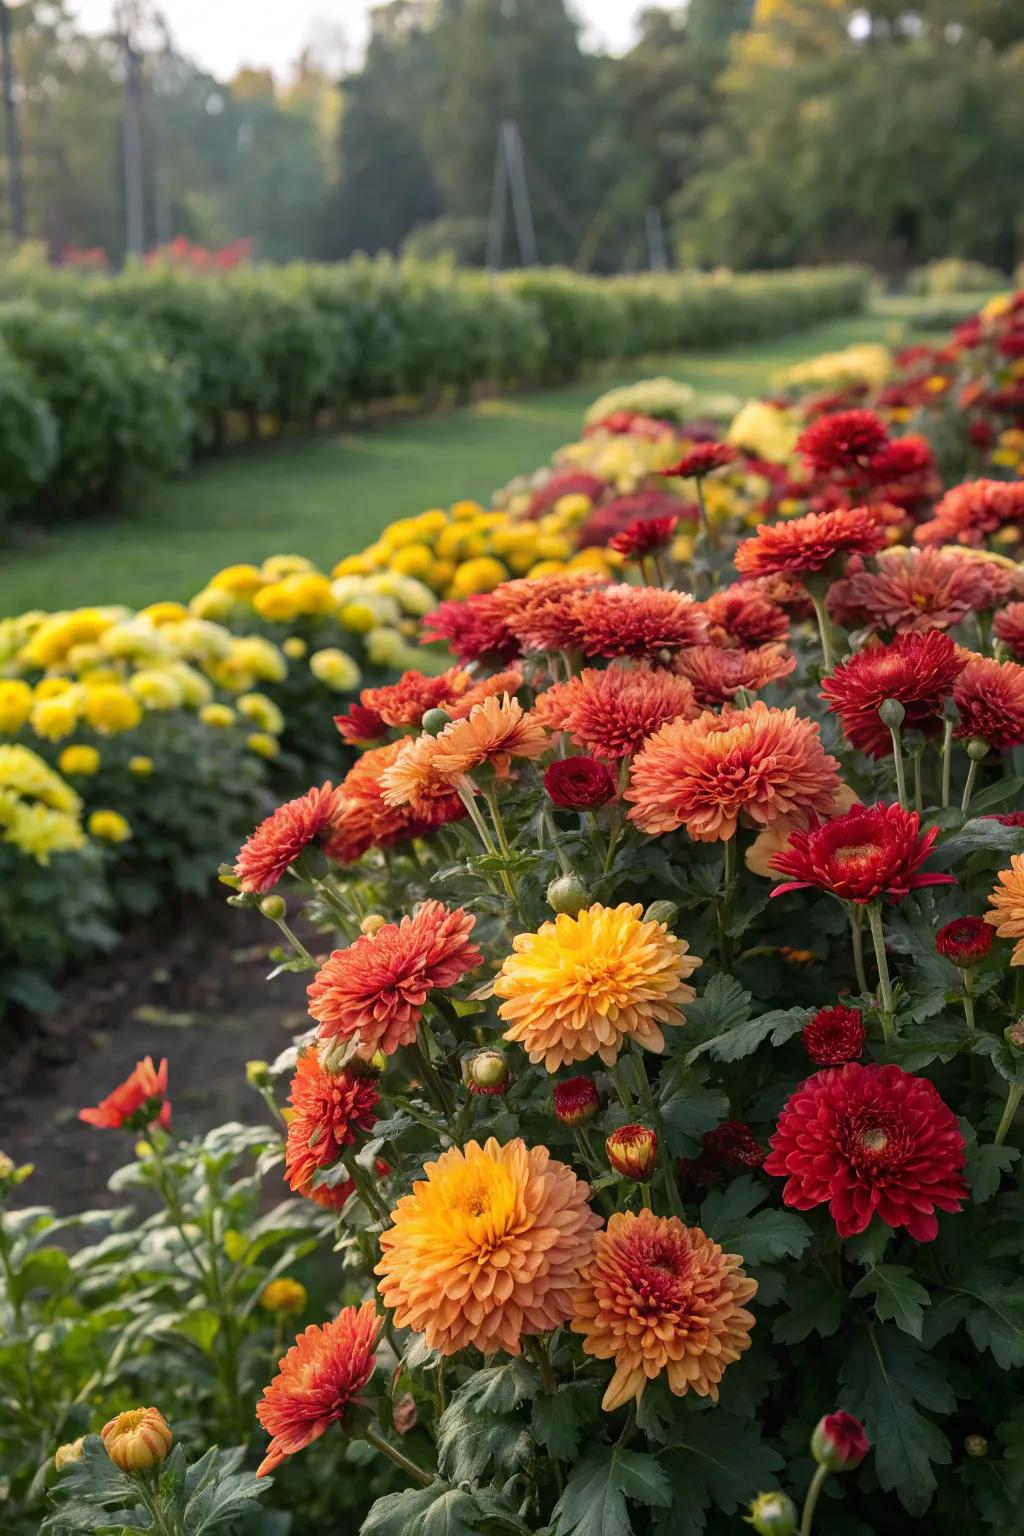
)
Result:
{"points": [[413, 560], [352, 565], [481, 575], [212, 603], [53, 687], [587, 985], [15, 705], [25, 773], [294, 647], [238, 579], [66, 1455], [1007, 903], [284, 1295], [336, 668], [217, 716], [140, 766], [79, 759], [487, 1248], [661, 1296], [359, 617], [263, 744], [55, 718], [110, 708], [261, 711], [164, 613], [157, 689], [138, 1439], [109, 826], [276, 566]]}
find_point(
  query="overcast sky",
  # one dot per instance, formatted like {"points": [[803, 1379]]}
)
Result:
{"points": [[221, 35]]}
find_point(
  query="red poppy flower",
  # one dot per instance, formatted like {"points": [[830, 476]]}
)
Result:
{"points": [[579, 783], [916, 670], [869, 852]]}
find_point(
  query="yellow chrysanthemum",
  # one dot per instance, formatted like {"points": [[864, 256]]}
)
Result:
{"points": [[212, 603], [263, 744], [15, 705], [585, 986], [283, 1295], [164, 613], [294, 647], [336, 669], [38, 830], [263, 712], [482, 574], [79, 759], [24, 773], [55, 718], [488, 1247], [111, 708], [141, 766], [237, 579], [109, 826], [157, 689], [259, 658], [217, 716]]}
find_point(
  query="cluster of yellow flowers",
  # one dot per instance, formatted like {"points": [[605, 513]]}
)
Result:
{"points": [[868, 363], [40, 814]]}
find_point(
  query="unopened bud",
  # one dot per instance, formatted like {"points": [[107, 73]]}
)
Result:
{"points": [[6, 1168], [576, 1100], [977, 749], [274, 907], [567, 894], [662, 912], [839, 1442], [1013, 1034], [976, 1446], [335, 1055], [632, 1150], [891, 713], [284, 1295], [66, 1455], [226, 875], [435, 720], [486, 1072], [257, 1073], [372, 924], [137, 1439], [773, 1514]]}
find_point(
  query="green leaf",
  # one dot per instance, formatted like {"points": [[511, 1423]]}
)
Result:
{"points": [[996, 1321], [439, 1510], [219, 1494], [898, 1297], [559, 1419], [985, 1166], [722, 1006], [717, 1460], [497, 1388], [888, 1379], [779, 1025], [814, 1307], [594, 1500], [470, 1442], [688, 1112], [868, 1246], [726, 1216]]}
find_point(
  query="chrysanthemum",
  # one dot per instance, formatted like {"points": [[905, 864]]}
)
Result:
{"points": [[493, 733], [659, 1296], [717, 674], [731, 1147], [587, 985], [359, 725], [487, 1248], [1007, 903], [918, 671], [473, 629], [842, 441], [539, 610], [869, 852], [136, 1103], [644, 536], [374, 991], [806, 545], [968, 513], [269, 852], [328, 1111], [914, 591], [740, 615], [1008, 626], [636, 621], [704, 774], [834, 1036], [867, 1140], [579, 783], [965, 941], [367, 820], [317, 1381], [612, 712], [701, 461], [990, 697]]}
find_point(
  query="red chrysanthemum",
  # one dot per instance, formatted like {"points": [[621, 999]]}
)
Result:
{"points": [[990, 697], [636, 621], [374, 991], [367, 821], [576, 1100], [968, 513], [914, 591], [701, 461], [335, 1197], [905, 458], [644, 536], [269, 852], [867, 1140], [1008, 627], [360, 725], [473, 629], [843, 441], [716, 674], [733, 1147], [606, 521], [317, 1381], [805, 545], [405, 702], [613, 711], [918, 671], [834, 1036], [1008, 818], [740, 615], [839, 1442], [136, 1103], [579, 783], [539, 610], [869, 852], [328, 1111], [965, 941]]}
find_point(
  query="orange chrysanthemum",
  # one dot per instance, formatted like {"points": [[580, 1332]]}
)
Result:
{"points": [[612, 712], [328, 1111], [374, 991], [705, 774], [1007, 903], [539, 611], [494, 732], [914, 591], [990, 697], [717, 674], [488, 1247], [136, 1103], [968, 513], [367, 820], [269, 852], [317, 1381], [805, 545], [635, 621], [659, 1296], [406, 702], [587, 985]]}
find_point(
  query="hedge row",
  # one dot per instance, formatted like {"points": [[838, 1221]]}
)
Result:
{"points": [[106, 381]]}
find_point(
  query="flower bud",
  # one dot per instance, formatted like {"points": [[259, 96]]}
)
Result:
{"points": [[137, 1439], [226, 875], [6, 1168], [839, 1442], [336, 1055], [486, 1072], [977, 749], [283, 1295], [891, 713], [662, 912], [435, 720], [965, 941], [632, 1150], [1013, 1034], [257, 1073], [567, 894], [372, 924], [67, 1455], [976, 1446], [576, 1100], [773, 1514], [274, 907]]}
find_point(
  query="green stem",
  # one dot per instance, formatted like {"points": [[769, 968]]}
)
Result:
{"points": [[364, 1188], [901, 779], [857, 938], [725, 901], [622, 1090], [947, 760], [810, 1503], [824, 629], [885, 1011], [918, 780], [408, 1467], [1013, 1098], [645, 1196], [968, 997], [297, 944], [972, 774]]}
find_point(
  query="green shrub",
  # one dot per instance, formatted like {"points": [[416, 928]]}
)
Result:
{"points": [[954, 274], [28, 436]]}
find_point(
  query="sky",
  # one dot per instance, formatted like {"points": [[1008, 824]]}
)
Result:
{"points": [[222, 35]]}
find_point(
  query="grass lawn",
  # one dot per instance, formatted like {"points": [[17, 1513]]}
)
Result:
{"points": [[329, 495]]}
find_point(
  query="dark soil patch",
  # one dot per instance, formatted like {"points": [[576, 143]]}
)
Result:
{"points": [[189, 985]]}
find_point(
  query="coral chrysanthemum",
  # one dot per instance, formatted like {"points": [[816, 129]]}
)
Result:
{"points": [[740, 615], [406, 702], [328, 1110], [270, 851], [968, 513], [587, 985], [661, 1297], [990, 697], [636, 621], [317, 1381], [1008, 626], [916, 670], [644, 536], [704, 774], [539, 610], [867, 1140], [474, 629], [1007, 902], [914, 591], [805, 545], [869, 852], [612, 712], [716, 675], [374, 991], [834, 1036], [488, 1247], [137, 1102], [843, 441], [367, 820]]}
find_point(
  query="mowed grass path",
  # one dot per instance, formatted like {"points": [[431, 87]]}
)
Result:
{"points": [[327, 496]]}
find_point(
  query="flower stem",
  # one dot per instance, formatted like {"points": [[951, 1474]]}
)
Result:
{"points": [[901, 778], [364, 1188], [857, 938], [824, 629], [724, 904], [408, 1467], [918, 780], [1013, 1097], [296, 944], [810, 1503], [947, 760], [972, 774], [885, 1011], [968, 997]]}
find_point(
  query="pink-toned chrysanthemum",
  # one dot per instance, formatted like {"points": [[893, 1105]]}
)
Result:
{"points": [[140, 1101], [969, 513], [843, 441], [374, 991], [706, 774], [473, 629], [659, 1297], [1007, 902], [870, 852], [1008, 627], [317, 1382], [622, 620], [914, 591], [367, 820], [613, 711], [990, 697], [918, 671], [803, 546], [487, 1248], [869, 1140], [717, 674], [268, 853], [741, 615], [328, 1112], [539, 610]]}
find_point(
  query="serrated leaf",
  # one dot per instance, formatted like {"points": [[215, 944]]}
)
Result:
{"points": [[688, 1113], [996, 1320], [559, 1419], [888, 1379], [439, 1510], [594, 1500], [732, 1045], [723, 1005], [898, 1296], [768, 1235], [985, 1166], [470, 1443], [814, 1307], [717, 1460]]}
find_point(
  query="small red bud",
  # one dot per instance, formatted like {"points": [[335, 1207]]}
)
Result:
{"points": [[839, 1442], [576, 1100], [965, 941]]}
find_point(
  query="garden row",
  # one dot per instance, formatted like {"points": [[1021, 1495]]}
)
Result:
{"points": [[108, 381]]}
